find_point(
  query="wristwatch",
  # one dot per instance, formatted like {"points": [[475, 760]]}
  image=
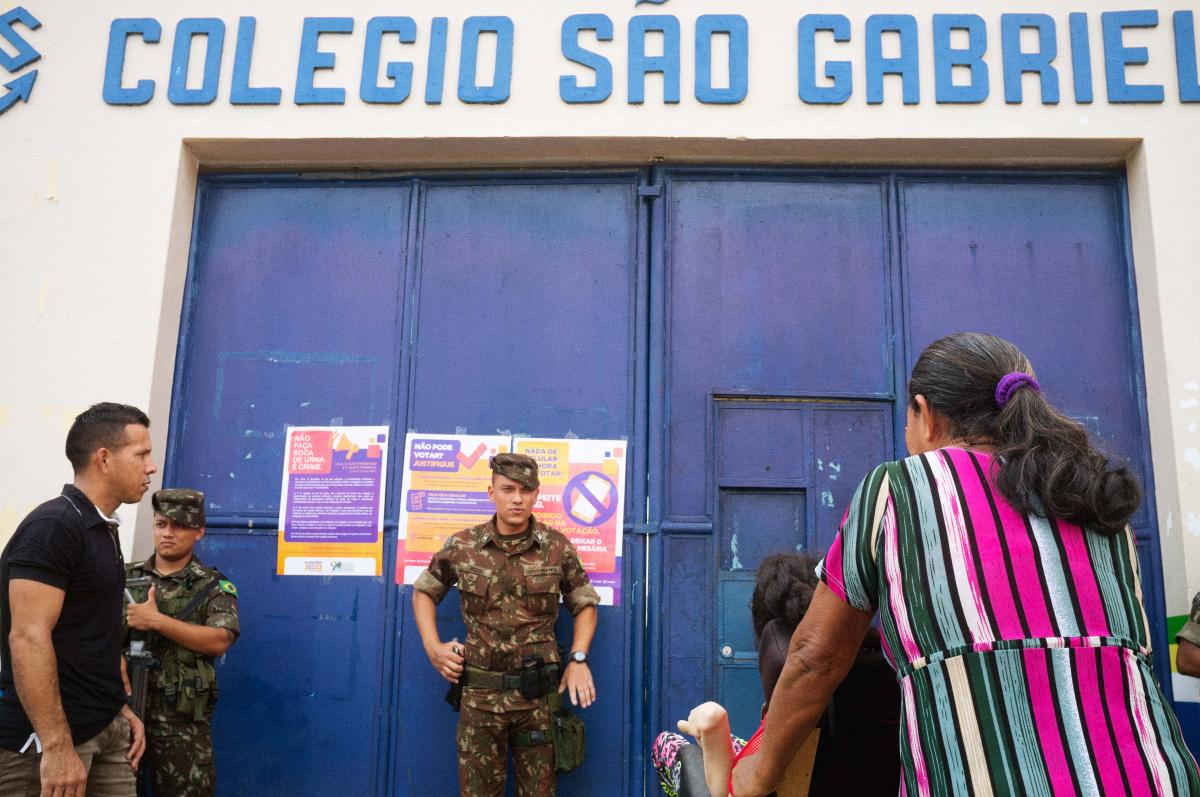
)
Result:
{"points": [[578, 656]]}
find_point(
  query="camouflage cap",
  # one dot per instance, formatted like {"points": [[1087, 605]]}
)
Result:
{"points": [[185, 507], [518, 467]]}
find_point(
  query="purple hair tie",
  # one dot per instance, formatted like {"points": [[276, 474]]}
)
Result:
{"points": [[1011, 383]]}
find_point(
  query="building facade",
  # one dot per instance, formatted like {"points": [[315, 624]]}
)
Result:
{"points": [[722, 233]]}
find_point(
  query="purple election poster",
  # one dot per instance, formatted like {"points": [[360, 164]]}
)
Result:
{"points": [[331, 507]]}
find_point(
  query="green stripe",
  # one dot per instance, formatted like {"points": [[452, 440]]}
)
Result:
{"points": [[1115, 609], [937, 581], [955, 764], [1011, 675], [993, 729], [916, 607], [927, 728]]}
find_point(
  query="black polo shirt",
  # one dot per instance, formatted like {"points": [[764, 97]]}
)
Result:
{"points": [[67, 544]]}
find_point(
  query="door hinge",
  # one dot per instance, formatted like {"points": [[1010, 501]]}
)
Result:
{"points": [[650, 191]]}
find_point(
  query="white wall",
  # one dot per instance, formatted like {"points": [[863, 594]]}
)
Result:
{"points": [[96, 205]]}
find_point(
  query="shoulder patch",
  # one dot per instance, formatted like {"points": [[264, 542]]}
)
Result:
{"points": [[227, 586]]}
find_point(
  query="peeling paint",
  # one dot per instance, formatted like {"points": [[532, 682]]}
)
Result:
{"points": [[733, 548], [827, 499]]}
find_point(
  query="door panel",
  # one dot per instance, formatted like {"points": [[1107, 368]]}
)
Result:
{"points": [[1041, 262], [281, 332], [523, 323], [773, 287]]}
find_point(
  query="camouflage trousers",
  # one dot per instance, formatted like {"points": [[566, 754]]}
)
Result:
{"points": [[179, 757], [484, 736]]}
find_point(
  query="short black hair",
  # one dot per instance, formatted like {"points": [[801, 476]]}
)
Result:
{"points": [[100, 426]]}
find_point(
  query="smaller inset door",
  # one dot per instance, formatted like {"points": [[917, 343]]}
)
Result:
{"points": [[783, 471]]}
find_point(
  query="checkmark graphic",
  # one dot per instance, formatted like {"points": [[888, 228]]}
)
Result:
{"points": [[473, 458]]}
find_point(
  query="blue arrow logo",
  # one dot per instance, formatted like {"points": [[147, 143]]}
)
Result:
{"points": [[18, 89], [23, 54]]}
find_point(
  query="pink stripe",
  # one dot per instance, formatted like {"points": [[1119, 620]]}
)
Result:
{"points": [[1092, 709], [1127, 741], [914, 738], [1044, 712], [1087, 590], [832, 569], [987, 543], [1023, 556]]}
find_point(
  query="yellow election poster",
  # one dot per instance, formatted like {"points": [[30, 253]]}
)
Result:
{"points": [[583, 496], [444, 490]]}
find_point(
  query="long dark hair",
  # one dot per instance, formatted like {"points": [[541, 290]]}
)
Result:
{"points": [[1046, 463], [783, 589]]}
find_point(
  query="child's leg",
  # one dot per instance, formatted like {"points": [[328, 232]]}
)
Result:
{"points": [[709, 723]]}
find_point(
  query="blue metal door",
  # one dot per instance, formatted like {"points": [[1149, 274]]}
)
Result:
{"points": [[748, 332], [790, 309], [776, 355], [430, 305]]}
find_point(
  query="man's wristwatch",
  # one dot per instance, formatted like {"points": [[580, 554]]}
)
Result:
{"points": [[578, 657]]}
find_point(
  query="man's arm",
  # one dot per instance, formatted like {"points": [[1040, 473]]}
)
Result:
{"points": [[35, 608], [200, 639], [446, 657], [1187, 658], [577, 678]]}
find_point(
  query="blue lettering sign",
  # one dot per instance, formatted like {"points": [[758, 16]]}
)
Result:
{"points": [[837, 71], [241, 93], [400, 72], [1016, 62], [1081, 57], [114, 65], [1117, 56], [905, 65], [25, 53], [213, 31], [469, 89], [1185, 56], [435, 70], [945, 58], [568, 85], [312, 59], [640, 64], [735, 27]]}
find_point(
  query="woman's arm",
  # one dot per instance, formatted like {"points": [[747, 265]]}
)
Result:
{"points": [[820, 654]]}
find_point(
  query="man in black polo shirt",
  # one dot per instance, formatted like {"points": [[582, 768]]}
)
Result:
{"points": [[64, 726]]}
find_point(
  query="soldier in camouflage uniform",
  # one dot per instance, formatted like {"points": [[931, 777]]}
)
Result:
{"points": [[511, 573], [183, 688], [1187, 657]]}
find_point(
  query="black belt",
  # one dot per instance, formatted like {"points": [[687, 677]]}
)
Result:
{"points": [[488, 679]]}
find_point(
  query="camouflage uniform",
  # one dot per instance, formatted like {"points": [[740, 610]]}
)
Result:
{"points": [[183, 688], [510, 591], [1191, 629]]}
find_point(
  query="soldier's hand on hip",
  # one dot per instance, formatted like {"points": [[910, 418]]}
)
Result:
{"points": [[577, 682], [447, 659], [145, 616]]}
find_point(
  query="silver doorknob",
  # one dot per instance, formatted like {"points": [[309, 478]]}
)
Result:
{"points": [[727, 651]]}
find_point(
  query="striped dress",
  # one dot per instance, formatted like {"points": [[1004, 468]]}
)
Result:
{"points": [[1020, 642]]}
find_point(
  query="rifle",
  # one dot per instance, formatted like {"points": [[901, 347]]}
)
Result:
{"points": [[140, 662]]}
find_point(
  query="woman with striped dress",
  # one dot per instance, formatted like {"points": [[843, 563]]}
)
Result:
{"points": [[1006, 579]]}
